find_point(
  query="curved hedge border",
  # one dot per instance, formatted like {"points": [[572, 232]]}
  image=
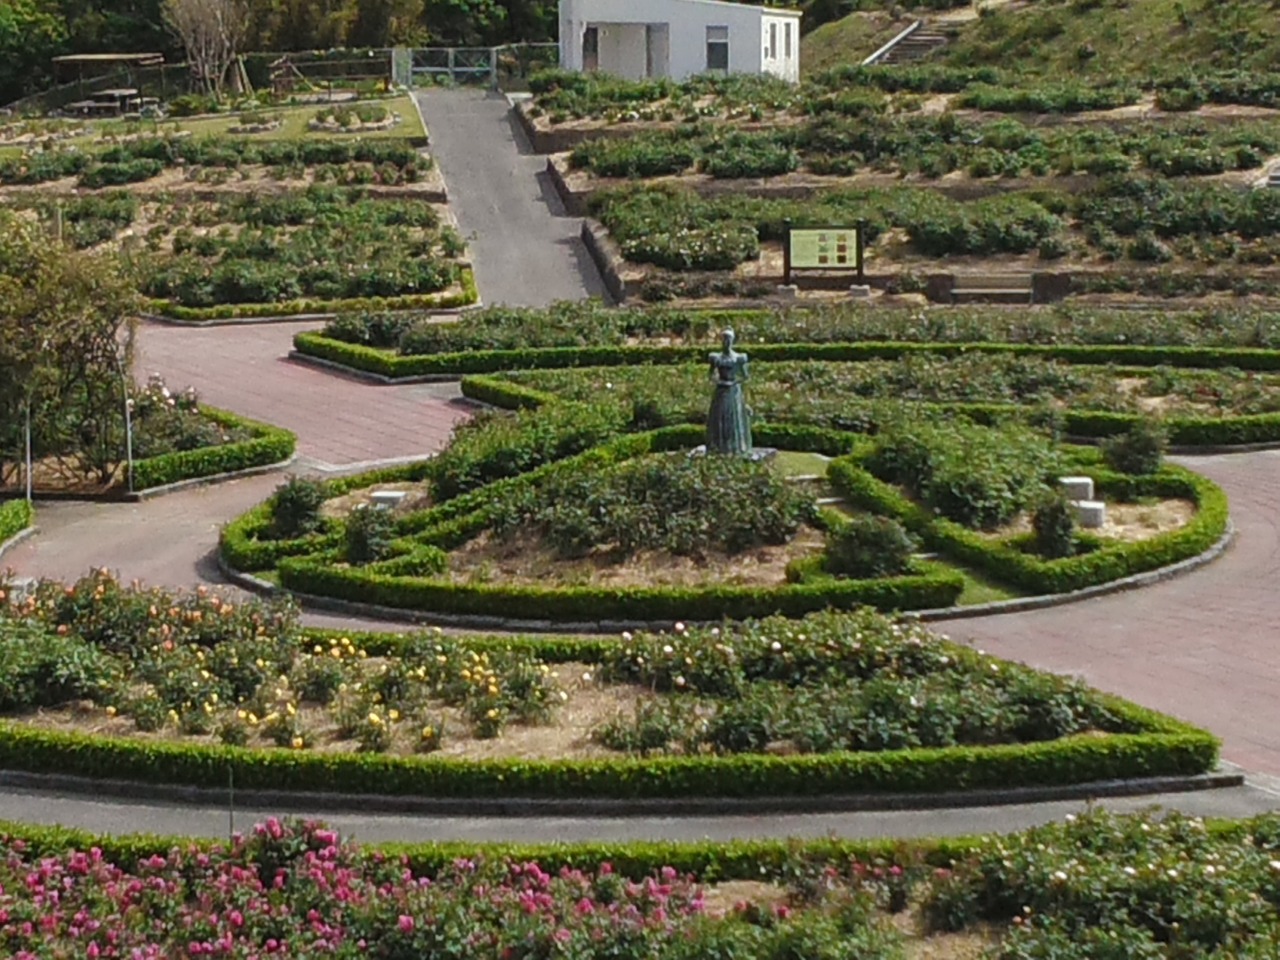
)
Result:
{"points": [[1032, 573], [305, 566], [15, 516], [387, 363], [426, 301], [269, 445], [1161, 746]]}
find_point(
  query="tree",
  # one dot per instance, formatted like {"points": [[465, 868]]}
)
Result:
{"points": [[211, 32], [31, 33], [66, 337]]}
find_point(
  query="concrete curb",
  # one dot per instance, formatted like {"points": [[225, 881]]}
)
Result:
{"points": [[152, 492], [1134, 582], [17, 538], [393, 615], [681, 806]]}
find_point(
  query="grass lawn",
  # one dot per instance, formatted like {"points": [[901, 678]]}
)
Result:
{"points": [[791, 463], [849, 40]]}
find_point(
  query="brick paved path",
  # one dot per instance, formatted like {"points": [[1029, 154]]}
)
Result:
{"points": [[1204, 647], [339, 421]]}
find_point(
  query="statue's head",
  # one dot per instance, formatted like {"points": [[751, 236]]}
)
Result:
{"points": [[726, 338]]}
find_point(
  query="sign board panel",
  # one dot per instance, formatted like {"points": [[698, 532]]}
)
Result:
{"points": [[834, 248]]}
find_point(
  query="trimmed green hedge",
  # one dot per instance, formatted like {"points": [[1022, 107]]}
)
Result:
{"points": [[1037, 575], [592, 604], [387, 363], [427, 301], [246, 543], [268, 445], [1162, 747], [15, 516], [708, 860]]}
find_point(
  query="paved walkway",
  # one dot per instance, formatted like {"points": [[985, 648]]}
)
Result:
{"points": [[170, 819], [1202, 647], [525, 250], [340, 422]]}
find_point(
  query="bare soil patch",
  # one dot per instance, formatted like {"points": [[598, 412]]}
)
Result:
{"points": [[417, 497], [1127, 522], [526, 560]]}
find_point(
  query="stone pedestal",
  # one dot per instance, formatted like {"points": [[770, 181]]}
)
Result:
{"points": [[1077, 488], [387, 499], [787, 291], [1090, 514], [859, 291]]}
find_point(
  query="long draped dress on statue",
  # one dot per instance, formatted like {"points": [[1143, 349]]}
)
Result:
{"points": [[729, 423]]}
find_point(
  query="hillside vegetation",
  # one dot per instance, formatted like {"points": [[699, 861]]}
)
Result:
{"points": [[1096, 39], [1102, 38]]}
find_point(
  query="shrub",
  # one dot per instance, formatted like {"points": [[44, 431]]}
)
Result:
{"points": [[1139, 450], [868, 546], [689, 506], [295, 507], [368, 531], [1054, 523], [977, 476]]}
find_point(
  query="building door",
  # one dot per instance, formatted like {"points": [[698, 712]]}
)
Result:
{"points": [[591, 50], [657, 46]]}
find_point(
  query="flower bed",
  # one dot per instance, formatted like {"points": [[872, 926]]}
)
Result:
{"points": [[579, 335], [1146, 221], [1097, 884], [180, 671]]}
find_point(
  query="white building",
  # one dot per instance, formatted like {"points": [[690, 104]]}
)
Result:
{"points": [[678, 38]]}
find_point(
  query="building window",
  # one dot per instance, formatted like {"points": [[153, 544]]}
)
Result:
{"points": [[718, 48], [786, 40], [773, 41]]}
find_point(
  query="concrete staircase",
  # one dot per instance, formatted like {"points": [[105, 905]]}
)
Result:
{"points": [[915, 46], [992, 288]]}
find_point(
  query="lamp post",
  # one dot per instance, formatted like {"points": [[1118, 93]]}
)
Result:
{"points": [[28, 449]]}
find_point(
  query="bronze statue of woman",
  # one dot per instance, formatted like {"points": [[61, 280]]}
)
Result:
{"points": [[729, 422]]}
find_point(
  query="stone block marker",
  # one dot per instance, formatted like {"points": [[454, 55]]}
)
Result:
{"points": [[1077, 488], [387, 499], [1090, 514]]}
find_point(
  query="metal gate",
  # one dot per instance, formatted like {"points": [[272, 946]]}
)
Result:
{"points": [[504, 66]]}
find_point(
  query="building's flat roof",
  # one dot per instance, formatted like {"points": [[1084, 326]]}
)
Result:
{"points": [[764, 8]]}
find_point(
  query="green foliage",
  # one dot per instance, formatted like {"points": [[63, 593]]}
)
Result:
{"points": [[15, 516], [1054, 524], [266, 445], [368, 532], [295, 507], [687, 506], [287, 249], [868, 546], [488, 448], [39, 668], [1140, 449], [976, 476]]}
